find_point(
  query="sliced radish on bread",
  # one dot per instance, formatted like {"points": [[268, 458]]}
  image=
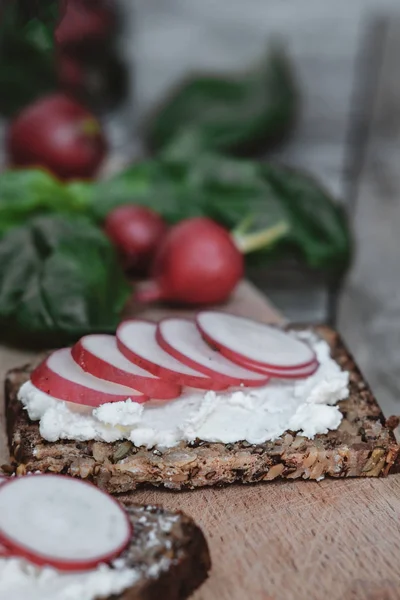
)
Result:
{"points": [[62, 522], [182, 340], [5, 552], [137, 341], [99, 356], [273, 372], [247, 342], [60, 377]]}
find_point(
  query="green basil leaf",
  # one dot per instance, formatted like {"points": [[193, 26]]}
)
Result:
{"points": [[59, 279], [238, 113]]}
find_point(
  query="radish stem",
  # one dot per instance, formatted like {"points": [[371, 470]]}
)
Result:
{"points": [[260, 239]]}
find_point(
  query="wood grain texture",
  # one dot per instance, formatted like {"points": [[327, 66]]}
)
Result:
{"points": [[338, 540], [370, 307]]}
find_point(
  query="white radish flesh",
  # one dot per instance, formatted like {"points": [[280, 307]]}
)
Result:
{"points": [[182, 339], [136, 340], [62, 522], [99, 356], [60, 377], [254, 342]]}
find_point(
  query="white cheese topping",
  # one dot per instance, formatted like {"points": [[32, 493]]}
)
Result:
{"points": [[251, 414], [20, 580]]}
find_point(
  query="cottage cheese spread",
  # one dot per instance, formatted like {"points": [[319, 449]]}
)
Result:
{"points": [[20, 580], [252, 414]]}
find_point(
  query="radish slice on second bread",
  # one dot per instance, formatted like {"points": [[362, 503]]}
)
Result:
{"points": [[252, 342], [99, 356], [136, 340], [60, 377], [62, 522], [182, 340]]}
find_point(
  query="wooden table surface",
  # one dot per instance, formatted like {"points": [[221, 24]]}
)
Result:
{"points": [[335, 540]]}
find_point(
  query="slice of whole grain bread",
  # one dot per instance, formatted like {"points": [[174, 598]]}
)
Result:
{"points": [[364, 445], [167, 551]]}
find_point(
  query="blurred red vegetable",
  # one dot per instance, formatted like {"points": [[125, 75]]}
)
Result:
{"points": [[197, 263], [84, 22], [57, 133], [136, 231]]}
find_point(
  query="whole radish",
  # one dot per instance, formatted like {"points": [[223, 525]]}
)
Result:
{"points": [[136, 231], [197, 263], [57, 133]]}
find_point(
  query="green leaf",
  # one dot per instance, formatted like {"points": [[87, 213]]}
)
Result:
{"points": [[238, 113], [28, 192], [150, 183], [27, 57], [59, 279], [319, 226]]}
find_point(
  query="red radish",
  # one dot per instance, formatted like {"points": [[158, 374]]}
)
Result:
{"points": [[57, 133], [60, 377], [62, 522], [5, 552], [99, 356], [277, 373], [84, 22], [136, 339], [71, 73], [182, 340], [254, 343], [197, 263], [136, 231]]}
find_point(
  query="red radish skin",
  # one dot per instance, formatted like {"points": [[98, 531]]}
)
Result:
{"points": [[84, 23], [71, 73], [299, 373], [5, 552], [16, 489], [136, 339], [59, 376], [59, 134], [182, 340], [197, 263], [99, 356], [136, 231], [248, 336]]}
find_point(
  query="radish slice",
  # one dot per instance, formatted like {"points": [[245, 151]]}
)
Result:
{"points": [[254, 342], [60, 377], [182, 340], [5, 552], [99, 356], [277, 373], [62, 522], [136, 340]]}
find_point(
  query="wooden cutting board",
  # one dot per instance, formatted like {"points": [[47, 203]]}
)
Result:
{"points": [[282, 541]]}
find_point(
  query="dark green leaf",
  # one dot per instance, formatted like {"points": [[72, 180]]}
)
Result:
{"points": [[319, 227], [237, 113], [27, 57], [59, 279]]}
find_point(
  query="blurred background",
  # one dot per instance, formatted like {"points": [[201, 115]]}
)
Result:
{"points": [[318, 80]]}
